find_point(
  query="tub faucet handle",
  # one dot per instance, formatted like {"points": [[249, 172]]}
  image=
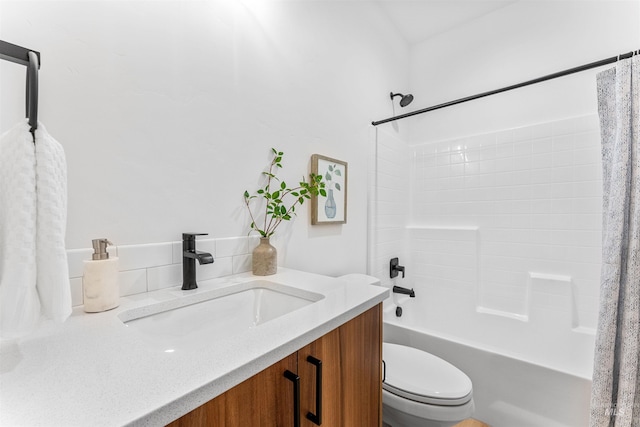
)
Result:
{"points": [[394, 268]]}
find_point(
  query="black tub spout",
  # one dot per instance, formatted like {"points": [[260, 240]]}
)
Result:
{"points": [[404, 291]]}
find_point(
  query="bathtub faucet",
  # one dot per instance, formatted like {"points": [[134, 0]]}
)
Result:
{"points": [[405, 291], [395, 267]]}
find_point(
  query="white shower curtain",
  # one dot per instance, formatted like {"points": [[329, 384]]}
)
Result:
{"points": [[615, 394]]}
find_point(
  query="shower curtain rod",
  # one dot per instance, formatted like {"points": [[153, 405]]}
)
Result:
{"points": [[516, 86]]}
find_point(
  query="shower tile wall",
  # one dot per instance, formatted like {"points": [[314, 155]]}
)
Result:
{"points": [[390, 204], [534, 193]]}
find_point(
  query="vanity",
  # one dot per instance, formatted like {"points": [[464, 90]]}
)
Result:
{"points": [[292, 349], [334, 381]]}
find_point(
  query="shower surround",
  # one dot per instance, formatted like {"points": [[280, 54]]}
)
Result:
{"points": [[500, 234]]}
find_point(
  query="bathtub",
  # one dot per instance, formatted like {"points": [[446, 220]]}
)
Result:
{"points": [[508, 389]]}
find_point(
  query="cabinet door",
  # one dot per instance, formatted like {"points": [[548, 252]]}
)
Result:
{"points": [[351, 357], [327, 350], [361, 369], [264, 400]]}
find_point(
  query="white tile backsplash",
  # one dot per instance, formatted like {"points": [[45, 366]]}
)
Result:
{"points": [[164, 276], [241, 263], [75, 259], [133, 257], [153, 266], [77, 297], [222, 266], [132, 282], [232, 246]]}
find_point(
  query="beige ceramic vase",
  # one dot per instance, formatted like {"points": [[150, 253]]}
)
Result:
{"points": [[265, 258]]}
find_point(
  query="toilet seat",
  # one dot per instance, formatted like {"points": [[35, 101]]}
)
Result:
{"points": [[422, 377]]}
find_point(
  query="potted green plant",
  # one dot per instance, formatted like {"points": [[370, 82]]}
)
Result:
{"points": [[280, 202]]}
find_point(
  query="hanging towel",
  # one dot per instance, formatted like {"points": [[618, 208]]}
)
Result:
{"points": [[34, 278], [19, 302], [52, 279]]}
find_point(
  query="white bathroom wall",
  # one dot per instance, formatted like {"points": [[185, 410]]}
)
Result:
{"points": [[523, 41], [167, 111]]}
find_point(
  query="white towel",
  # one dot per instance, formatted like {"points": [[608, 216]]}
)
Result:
{"points": [[34, 276], [52, 279], [19, 302]]}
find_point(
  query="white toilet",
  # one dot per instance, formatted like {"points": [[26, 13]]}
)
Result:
{"points": [[418, 388], [422, 390]]}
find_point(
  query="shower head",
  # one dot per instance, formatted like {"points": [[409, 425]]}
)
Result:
{"points": [[405, 100]]}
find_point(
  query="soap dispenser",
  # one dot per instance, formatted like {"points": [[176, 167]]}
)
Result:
{"points": [[100, 279]]}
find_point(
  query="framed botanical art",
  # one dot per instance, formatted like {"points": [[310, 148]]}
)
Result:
{"points": [[332, 207]]}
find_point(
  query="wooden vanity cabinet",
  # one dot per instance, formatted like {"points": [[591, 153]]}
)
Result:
{"points": [[351, 374], [350, 359]]}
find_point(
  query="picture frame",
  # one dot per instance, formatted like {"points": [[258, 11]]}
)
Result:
{"points": [[332, 208]]}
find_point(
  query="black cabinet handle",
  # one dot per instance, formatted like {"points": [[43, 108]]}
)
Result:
{"points": [[296, 396], [317, 417]]}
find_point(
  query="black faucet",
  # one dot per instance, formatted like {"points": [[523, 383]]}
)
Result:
{"points": [[405, 291], [189, 257]]}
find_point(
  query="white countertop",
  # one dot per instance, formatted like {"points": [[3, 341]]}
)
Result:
{"points": [[93, 370]]}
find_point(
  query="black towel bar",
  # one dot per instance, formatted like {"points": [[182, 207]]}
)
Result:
{"points": [[31, 59]]}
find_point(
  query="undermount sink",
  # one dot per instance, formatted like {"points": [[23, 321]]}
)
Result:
{"points": [[208, 316]]}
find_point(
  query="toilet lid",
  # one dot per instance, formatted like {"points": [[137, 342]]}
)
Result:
{"points": [[423, 377]]}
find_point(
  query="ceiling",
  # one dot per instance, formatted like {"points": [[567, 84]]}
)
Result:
{"points": [[418, 20]]}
